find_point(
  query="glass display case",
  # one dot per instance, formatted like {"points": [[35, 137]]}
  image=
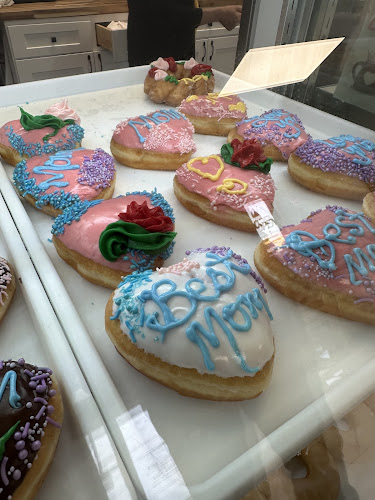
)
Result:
{"points": [[310, 431]]}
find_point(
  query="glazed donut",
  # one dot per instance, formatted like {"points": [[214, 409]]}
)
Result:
{"points": [[369, 205], [30, 136], [7, 286], [171, 82], [180, 327], [31, 417], [341, 166], [322, 479], [54, 182], [326, 262], [217, 188], [279, 131], [161, 140], [105, 240], [213, 115]]}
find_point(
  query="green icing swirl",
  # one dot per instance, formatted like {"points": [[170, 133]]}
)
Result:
{"points": [[5, 437], [172, 79], [120, 237], [30, 122], [227, 152], [207, 73]]}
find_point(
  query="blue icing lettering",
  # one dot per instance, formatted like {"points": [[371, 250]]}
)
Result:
{"points": [[281, 119], [295, 242], [14, 399], [359, 147], [163, 320], [55, 170], [156, 119]]}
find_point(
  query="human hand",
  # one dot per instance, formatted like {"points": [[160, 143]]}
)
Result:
{"points": [[230, 16]]}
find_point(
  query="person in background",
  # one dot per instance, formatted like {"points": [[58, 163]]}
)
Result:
{"points": [[166, 28]]}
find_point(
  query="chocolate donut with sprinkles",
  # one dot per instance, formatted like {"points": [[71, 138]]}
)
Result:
{"points": [[7, 286], [341, 166], [31, 415], [54, 182], [217, 187]]}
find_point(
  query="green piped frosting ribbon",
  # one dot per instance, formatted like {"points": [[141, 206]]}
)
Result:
{"points": [[30, 122], [120, 237], [5, 437], [227, 153], [172, 79]]}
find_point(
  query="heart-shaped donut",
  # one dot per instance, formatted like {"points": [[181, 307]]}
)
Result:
{"points": [[7, 286], [326, 262], [104, 240]]}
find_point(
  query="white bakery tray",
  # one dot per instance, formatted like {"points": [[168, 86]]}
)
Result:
{"points": [[324, 365]]}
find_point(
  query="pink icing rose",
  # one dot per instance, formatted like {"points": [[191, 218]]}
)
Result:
{"points": [[160, 74], [63, 111], [161, 64], [190, 63]]}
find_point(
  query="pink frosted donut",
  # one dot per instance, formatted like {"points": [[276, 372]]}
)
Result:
{"points": [[162, 140], [213, 115]]}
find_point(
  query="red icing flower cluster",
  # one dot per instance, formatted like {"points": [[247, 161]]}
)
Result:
{"points": [[152, 71], [152, 219], [198, 69], [248, 152], [172, 63]]}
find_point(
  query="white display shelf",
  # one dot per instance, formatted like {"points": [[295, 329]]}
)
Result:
{"points": [[323, 366]]}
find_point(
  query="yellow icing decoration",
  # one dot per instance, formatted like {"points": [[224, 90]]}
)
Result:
{"points": [[192, 98], [194, 79], [204, 160], [228, 185], [240, 106]]}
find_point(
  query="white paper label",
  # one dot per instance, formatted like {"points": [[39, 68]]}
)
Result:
{"points": [[264, 223]]}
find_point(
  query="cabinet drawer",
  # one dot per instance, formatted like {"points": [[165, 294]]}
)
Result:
{"points": [[114, 40], [49, 39], [43, 68]]}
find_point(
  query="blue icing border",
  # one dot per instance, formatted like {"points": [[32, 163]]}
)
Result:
{"points": [[16, 141]]}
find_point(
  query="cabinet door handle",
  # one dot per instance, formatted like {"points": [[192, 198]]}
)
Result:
{"points": [[89, 58], [212, 50], [205, 51], [100, 60]]}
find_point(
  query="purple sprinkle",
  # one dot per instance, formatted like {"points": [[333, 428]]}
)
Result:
{"points": [[52, 422], [97, 171], [23, 454], [363, 300], [21, 361], [40, 377], [26, 430], [40, 400], [40, 412], [17, 436], [3, 471], [20, 445], [35, 446], [16, 474], [28, 372], [52, 393]]}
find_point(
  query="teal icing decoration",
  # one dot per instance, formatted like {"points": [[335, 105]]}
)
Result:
{"points": [[54, 170], [343, 219], [360, 147], [14, 399], [155, 119], [163, 320]]}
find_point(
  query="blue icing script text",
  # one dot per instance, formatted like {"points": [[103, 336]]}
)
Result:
{"points": [[281, 119], [332, 233], [247, 305], [360, 147], [10, 378], [55, 170], [155, 119]]}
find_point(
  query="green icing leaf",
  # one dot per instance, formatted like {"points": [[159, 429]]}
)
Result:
{"points": [[30, 122], [120, 237], [227, 152], [207, 73], [5, 437], [172, 79]]}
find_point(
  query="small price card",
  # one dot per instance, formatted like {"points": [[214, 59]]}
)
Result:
{"points": [[265, 225]]}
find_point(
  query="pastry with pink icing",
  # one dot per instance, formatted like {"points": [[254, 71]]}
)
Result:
{"points": [[218, 188], [279, 131], [54, 182], [161, 140], [213, 115], [104, 240], [169, 81], [7, 286], [369, 205], [341, 166], [42, 134], [326, 262]]}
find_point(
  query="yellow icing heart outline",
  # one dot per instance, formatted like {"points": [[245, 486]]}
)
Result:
{"points": [[240, 106], [204, 160], [228, 185]]}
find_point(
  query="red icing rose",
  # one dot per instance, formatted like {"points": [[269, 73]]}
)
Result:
{"points": [[152, 72], [198, 69], [172, 63], [152, 219], [248, 152]]}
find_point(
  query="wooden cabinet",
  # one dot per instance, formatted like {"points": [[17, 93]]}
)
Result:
{"points": [[215, 47]]}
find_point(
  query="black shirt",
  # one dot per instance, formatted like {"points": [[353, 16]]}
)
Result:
{"points": [[161, 28]]}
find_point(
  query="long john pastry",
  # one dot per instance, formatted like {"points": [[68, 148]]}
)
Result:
{"points": [[326, 262], [29, 398], [200, 327]]}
